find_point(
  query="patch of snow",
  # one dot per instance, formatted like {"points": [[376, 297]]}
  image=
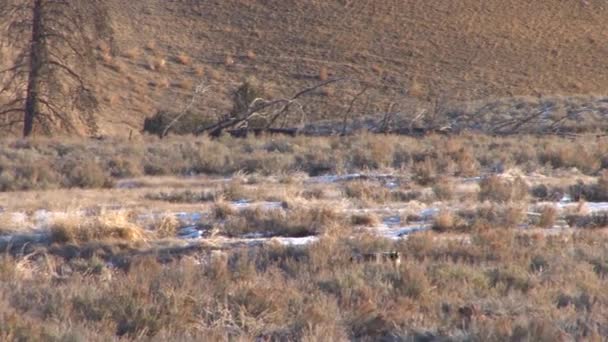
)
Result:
{"points": [[390, 179], [392, 220], [189, 217], [473, 179], [429, 213], [256, 235], [334, 178], [191, 232], [295, 241], [392, 185], [400, 232], [243, 203], [20, 218], [595, 207]]}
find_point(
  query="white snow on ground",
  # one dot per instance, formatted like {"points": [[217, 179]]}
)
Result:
{"points": [[190, 233], [390, 178], [399, 232], [243, 204]]}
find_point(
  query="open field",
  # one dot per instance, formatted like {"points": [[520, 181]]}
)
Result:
{"points": [[499, 238]]}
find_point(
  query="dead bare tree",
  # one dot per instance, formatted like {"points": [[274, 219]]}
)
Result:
{"points": [[51, 44]]}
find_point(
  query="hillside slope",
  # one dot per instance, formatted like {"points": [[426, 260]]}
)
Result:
{"points": [[411, 52]]}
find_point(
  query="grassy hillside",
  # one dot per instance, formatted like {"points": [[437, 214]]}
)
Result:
{"points": [[411, 52]]}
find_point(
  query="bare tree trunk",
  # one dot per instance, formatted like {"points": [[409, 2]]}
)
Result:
{"points": [[32, 101]]}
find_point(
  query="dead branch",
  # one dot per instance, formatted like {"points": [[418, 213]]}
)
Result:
{"points": [[257, 106], [351, 106]]}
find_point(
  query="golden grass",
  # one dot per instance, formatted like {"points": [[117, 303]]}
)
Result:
{"points": [[444, 221], [184, 59], [251, 55], [229, 61], [77, 228], [184, 84], [199, 70], [157, 64], [323, 74], [548, 216], [132, 53]]}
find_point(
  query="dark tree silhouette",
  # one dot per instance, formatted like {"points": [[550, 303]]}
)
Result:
{"points": [[49, 50]]}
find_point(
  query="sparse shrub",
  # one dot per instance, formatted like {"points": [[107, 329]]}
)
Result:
{"points": [[405, 195], [367, 191], [222, 210], [199, 71], [85, 172], [188, 123], [184, 59], [539, 263], [228, 61], [595, 220], [76, 228], [444, 221], [511, 278], [497, 189], [185, 196], [251, 55], [367, 219], [323, 74], [495, 216], [425, 172], [570, 155], [157, 64], [545, 193], [280, 222], [246, 94], [132, 53], [466, 163], [167, 227], [548, 216], [123, 168], [372, 154], [597, 192], [444, 189]]}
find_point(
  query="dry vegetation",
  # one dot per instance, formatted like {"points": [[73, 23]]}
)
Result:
{"points": [[50, 164], [501, 286], [115, 267]]}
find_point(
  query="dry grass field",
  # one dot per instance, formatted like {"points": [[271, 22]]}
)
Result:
{"points": [[436, 171], [498, 238]]}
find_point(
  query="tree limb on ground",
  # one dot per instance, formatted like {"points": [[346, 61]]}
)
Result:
{"points": [[216, 129]]}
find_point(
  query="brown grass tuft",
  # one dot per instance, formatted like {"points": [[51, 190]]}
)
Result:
{"points": [[444, 221], [498, 189], [229, 61], [157, 64], [132, 53], [251, 55], [365, 219], [184, 59], [548, 216], [199, 71], [323, 74], [76, 228]]}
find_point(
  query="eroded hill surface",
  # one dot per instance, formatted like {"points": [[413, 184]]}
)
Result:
{"points": [[412, 53]]}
